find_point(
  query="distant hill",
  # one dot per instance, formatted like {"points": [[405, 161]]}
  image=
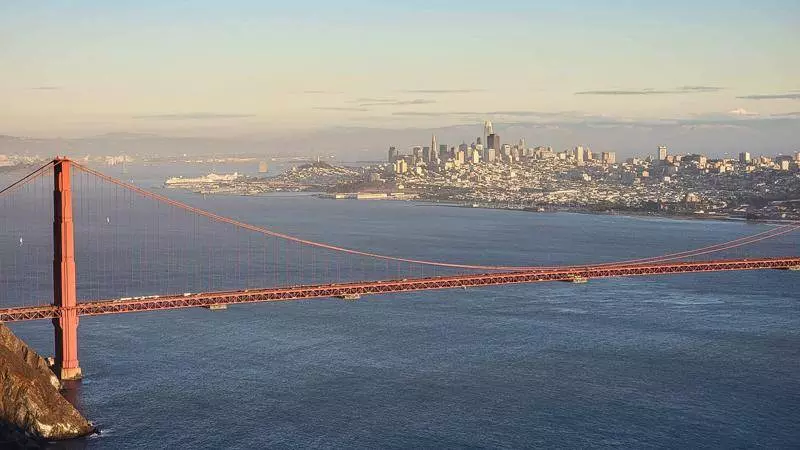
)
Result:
{"points": [[767, 135]]}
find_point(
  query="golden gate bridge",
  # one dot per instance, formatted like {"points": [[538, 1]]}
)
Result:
{"points": [[148, 252]]}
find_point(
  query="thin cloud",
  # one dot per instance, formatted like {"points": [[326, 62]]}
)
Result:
{"points": [[374, 100], [794, 95], [339, 108], [519, 113], [423, 114], [395, 102], [651, 91], [540, 114], [441, 91], [689, 89], [623, 92], [193, 116], [46, 88], [320, 92]]}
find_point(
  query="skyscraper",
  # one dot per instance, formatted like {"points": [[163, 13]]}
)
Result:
{"points": [[579, 154], [487, 130], [461, 157], [434, 153], [476, 156], [662, 152], [744, 157], [444, 153], [609, 157], [392, 154], [493, 141]]}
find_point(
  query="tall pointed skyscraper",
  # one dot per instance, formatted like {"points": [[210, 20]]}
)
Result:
{"points": [[488, 128], [434, 150]]}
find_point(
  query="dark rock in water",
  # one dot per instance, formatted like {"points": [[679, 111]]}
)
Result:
{"points": [[12, 438], [29, 394]]}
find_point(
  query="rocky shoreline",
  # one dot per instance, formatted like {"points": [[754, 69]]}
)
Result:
{"points": [[32, 409]]}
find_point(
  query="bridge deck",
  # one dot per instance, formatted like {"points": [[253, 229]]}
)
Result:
{"points": [[153, 303]]}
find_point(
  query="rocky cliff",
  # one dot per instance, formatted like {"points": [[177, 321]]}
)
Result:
{"points": [[29, 394]]}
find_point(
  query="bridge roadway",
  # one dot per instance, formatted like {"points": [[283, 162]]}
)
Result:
{"points": [[153, 303]]}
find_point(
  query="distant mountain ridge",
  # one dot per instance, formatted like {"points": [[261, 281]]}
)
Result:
{"points": [[715, 138]]}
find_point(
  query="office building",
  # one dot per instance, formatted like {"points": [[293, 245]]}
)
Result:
{"points": [[444, 153], [744, 157], [426, 154], [493, 141], [476, 156], [662, 153], [489, 155], [392, 154], [460, 157]]}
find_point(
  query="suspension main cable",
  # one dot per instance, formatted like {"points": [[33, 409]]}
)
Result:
{"points": [[689, 253], [746, 240], [26, 179]]}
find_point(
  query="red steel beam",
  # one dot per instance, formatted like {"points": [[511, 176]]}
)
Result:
{"points": [[105, 307]]}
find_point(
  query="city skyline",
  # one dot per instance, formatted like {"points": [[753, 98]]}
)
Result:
{"points": [[570, 69]]}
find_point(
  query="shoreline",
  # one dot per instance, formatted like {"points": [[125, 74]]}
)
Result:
{"points": [[452, 204], [630, 214]]}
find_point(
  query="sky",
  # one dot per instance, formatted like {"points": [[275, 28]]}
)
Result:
{"points": [[243, 68]]}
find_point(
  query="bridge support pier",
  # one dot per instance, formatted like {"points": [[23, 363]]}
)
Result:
{"points": [[64, 288]]}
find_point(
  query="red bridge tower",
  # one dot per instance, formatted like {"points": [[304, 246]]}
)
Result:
{"points": [[64, 290]]}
